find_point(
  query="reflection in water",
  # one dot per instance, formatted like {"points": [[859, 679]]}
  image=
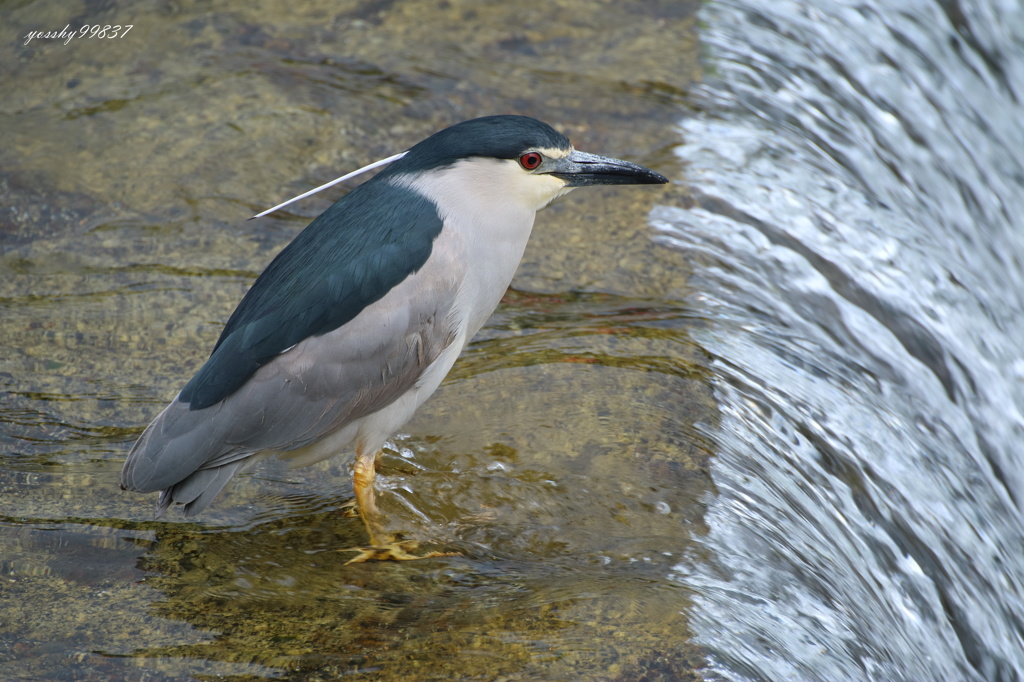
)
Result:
{"points": [[859, 187]]}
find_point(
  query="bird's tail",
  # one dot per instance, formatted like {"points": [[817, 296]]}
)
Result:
{"points": [[183, 454], [198, 490]]}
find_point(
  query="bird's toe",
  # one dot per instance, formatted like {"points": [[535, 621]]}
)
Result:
{"points": [[392, 551]]}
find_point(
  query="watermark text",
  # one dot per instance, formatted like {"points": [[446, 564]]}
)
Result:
{"points": [[67, 34]]}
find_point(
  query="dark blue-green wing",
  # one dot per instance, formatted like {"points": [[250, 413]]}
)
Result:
{"points": [[347, 258]]}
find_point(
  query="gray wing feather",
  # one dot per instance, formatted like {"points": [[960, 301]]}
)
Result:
{"points": [[315, 388], [198, 490]]}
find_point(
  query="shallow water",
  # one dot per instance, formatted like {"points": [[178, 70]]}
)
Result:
{"points": [[858, 183], [554, 458]]}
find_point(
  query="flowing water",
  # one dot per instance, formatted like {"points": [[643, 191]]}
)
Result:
{"points": [[857, 174]]}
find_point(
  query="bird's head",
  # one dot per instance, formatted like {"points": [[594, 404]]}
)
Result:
{"points": [[515, 157]]}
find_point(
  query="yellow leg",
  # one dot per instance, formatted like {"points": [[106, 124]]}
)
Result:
{"points": [[364, 471], [383, 545]]}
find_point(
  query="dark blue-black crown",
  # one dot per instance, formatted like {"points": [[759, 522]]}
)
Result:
{"points": [[498, 137]]}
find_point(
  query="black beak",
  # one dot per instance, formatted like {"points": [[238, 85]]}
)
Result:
{"points": [[580, 169]]}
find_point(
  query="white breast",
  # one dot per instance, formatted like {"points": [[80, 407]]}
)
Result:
{"points": [[488, 207]]}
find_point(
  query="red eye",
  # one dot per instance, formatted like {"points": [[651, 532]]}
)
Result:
{"points": [[530, 160]]}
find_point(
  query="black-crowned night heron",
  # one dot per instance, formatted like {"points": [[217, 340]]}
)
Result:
{"points": [[356, 322]]}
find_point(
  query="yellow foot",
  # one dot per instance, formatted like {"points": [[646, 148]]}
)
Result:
{"points": [[393, 551], [349, 509]]}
